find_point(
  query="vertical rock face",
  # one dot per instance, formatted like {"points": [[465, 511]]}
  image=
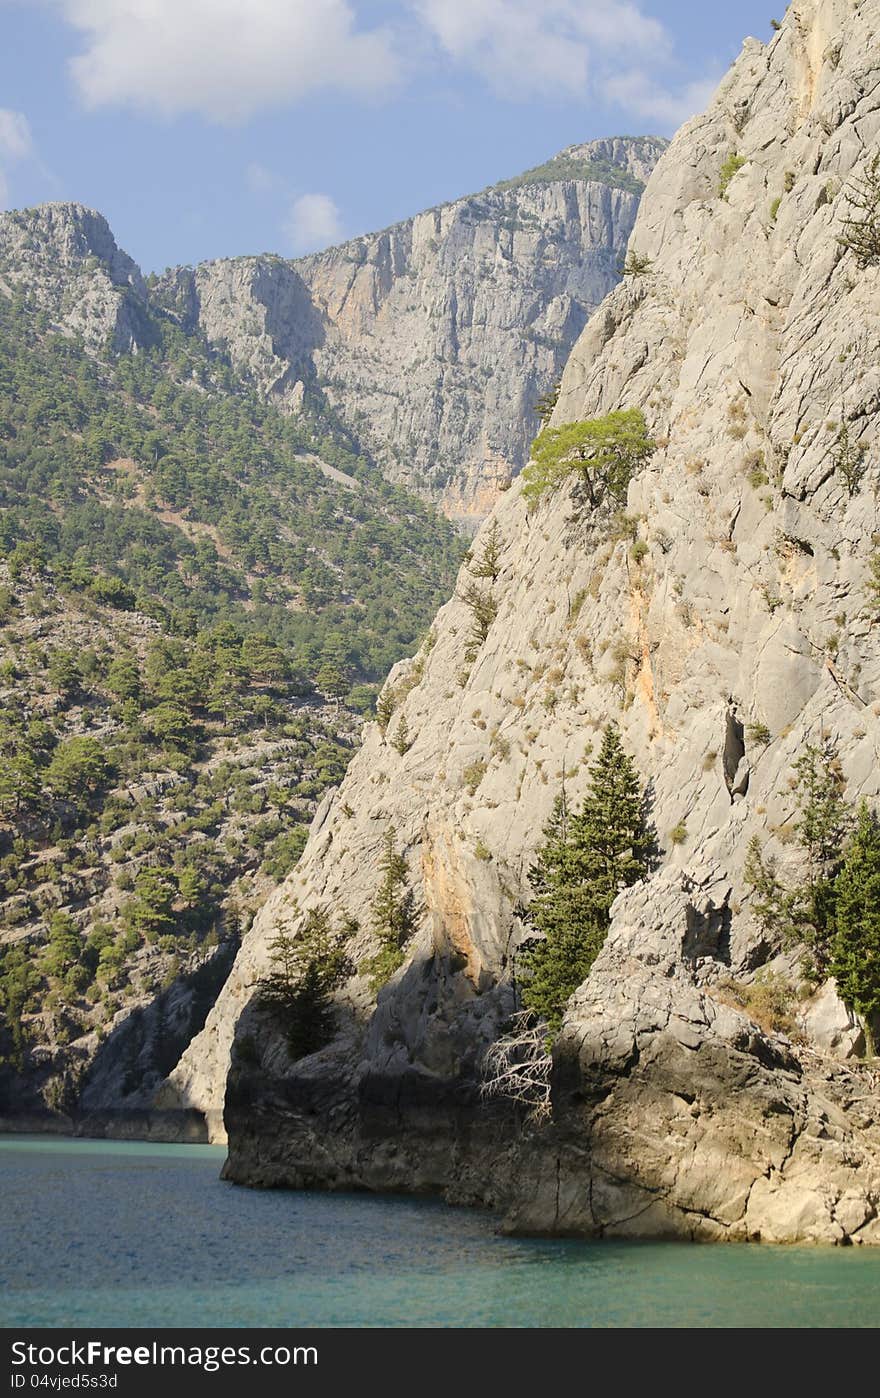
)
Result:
{"points": [[742, 631], [66, 258], [434, 338]]}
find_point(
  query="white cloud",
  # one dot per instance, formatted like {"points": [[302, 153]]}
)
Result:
{"points": [[314, 222], [642, 96], [523, 49], [229, 59], [16, 144], [224, 59]]}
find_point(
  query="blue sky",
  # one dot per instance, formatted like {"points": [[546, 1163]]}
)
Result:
{"points": [[206, 128]]}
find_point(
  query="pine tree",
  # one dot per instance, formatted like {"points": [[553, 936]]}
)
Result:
{"points": [[547, 402], [63, 948], [401, 740], [604, 452], [488, 564], [306, 967], [613, 842], [394, 914], [824, 823], [855, 946], [585, 860], [861, 231]]}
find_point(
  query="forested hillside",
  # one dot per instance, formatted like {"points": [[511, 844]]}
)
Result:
{"points": [[158, 473], [198, 596]]}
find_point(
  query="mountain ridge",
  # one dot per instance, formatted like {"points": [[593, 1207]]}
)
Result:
{"points": [[405, 331]]}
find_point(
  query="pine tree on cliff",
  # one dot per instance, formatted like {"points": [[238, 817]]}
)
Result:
{"points": [[855, 947], [395, 914], [306, 966], [585, 860]]}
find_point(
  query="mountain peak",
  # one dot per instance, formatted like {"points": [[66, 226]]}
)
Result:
{"points": [[64, 257], [624, 162]]}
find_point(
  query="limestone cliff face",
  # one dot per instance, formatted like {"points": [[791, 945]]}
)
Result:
{"points": [[742, 634], [434, 338], [65, 258]]}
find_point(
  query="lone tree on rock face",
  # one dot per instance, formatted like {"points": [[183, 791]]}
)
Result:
{"points": [[586, 859], [488, 563], [604, 452]]}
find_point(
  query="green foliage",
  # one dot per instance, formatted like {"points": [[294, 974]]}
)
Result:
{"points": [[586, 858], [484, 609], [63, 672], [547, 402], [283, 854], [124, 676], [17, 984], [77, 769], [639, 551], [20, 784], [172, 724], [759, 734], [394, 915], [774, 207], [332, 680], [111, 592], [849, 460], [637, 264], [804, 912], [488, 563], [385, 706], [678, 834], [568, 167], [855, 945], [305, 969], [149, 912], [64, 947], [402, 740], [769, 1000], [473, 774], [604, 453], [861, 230], [381, 967], [729, 168], [825, 818]]}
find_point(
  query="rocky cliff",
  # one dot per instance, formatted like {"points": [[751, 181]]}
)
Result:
{"points": [[434, 338], [724, 621], [65, 260]]}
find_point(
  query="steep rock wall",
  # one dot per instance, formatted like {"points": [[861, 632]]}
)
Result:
{"points": [[752, 337], [65, 257], [434, 338]]}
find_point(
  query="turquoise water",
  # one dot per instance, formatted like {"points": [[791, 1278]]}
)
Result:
{"points": [[122, 1234]]}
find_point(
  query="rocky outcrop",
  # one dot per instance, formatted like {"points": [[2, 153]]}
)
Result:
{"points": [[433, 339], [676, 1117], [65, 258], [723, 621]]}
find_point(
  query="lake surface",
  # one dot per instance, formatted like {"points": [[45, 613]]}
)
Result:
{"points": [[133, 1234]]}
